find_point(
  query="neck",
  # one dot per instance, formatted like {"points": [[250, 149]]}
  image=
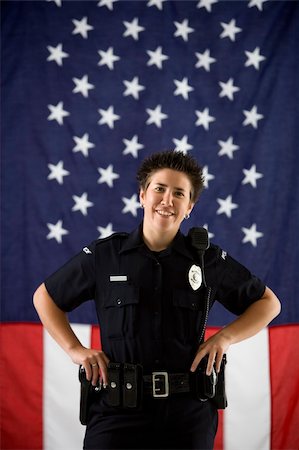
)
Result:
{"points": [[157, 241]]}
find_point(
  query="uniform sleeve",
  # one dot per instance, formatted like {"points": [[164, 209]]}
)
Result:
{"points": [[237, 287], [74, 282]]}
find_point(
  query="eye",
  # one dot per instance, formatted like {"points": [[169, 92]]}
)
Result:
{"points": [[179, 194], [159, 189]]}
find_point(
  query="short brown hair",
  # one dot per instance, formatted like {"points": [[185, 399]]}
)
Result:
{"points": [[176, 161]]}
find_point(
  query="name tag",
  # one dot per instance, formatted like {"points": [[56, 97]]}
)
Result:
{"points": [[118, 278]]}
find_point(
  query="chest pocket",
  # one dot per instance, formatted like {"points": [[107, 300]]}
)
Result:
{"points": [[187, 311], [120, 311]]}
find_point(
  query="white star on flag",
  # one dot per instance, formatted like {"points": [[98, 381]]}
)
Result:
{"points": [[228, 89], [251, 235], [57, 54], [257, 3], [251, 176], [204, 118], [107, 3], [133, 29], [183, 29], [108, 58], [204, 60], [82, 144], [131, 205], [107, 175], [226, 206], [156, 116], [211, 235], [81, 203], [183, 88], [206, 4], [56, 231], [133, 87], [227, 148], [207, 176], [81, 27], [57, 2], [132, 146], [252, 117], [108, 117], [157, 3], [105, 231], [254, 58], [57, 172], [156, 57], [182, 145], [230, 30], [57, 113], [82, 86]]}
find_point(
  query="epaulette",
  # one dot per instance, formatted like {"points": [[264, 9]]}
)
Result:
{"points": [[121, 234]]}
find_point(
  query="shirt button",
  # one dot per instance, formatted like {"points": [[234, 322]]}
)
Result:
{"points": [[118, 301]]}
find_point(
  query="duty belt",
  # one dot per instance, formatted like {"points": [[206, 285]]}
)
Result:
{"points": [[127, 384], [163, 384]]}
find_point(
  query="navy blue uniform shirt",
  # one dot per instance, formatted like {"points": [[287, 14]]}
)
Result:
{"points": [[147, 310]]}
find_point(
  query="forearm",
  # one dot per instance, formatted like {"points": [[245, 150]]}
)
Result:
{"points": [[54, 320], [256, 317], [56, 323]]}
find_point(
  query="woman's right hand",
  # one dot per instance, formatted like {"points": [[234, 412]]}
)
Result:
{"points": [[94, 361]]}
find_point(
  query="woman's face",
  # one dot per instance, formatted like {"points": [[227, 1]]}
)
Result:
{"points": [[166, 200]]}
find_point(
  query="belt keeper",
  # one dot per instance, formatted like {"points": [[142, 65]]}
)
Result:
{"points": [[132, 385], [115, 384]]}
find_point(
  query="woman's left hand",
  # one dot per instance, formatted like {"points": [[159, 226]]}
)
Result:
{"points": [[215, 347]]}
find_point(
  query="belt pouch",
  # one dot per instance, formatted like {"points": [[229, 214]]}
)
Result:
{"points": [[132, 385], [115, 384]]}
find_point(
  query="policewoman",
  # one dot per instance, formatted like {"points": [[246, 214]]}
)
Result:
{"points": [[149, 295]]}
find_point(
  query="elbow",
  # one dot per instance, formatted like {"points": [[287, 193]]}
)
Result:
{"points": [[277, 307], [274, 302], [37, 296]]}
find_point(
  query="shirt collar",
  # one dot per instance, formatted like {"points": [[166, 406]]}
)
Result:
{"points": [[179, 244], [134, 240]]}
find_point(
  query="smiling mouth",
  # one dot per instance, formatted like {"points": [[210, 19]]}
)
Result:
{"points": [[164, 213]]}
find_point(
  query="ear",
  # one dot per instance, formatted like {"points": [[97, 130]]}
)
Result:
{"points": [[141, 196], [191, 205]]}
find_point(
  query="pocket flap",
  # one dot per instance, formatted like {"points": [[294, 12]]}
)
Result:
{"points": [[186, 299], [121, 295]]}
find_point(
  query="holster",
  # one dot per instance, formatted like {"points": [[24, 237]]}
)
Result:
{"points": [[220, 399], [86, 391], [211, 386]]}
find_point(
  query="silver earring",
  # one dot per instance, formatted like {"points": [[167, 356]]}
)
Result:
{"points": [[142, 205], [187, 216]]}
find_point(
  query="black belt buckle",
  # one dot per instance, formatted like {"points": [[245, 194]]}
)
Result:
{"points": [[160, 382]]}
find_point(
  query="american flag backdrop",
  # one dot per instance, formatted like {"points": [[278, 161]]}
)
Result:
{"points": [[89, 88]]}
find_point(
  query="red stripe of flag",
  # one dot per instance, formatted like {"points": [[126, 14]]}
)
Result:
{"points": [[284, 369], [21, 386]]}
